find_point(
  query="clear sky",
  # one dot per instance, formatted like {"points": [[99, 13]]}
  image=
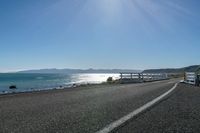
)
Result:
{"points": [[134, 34]]}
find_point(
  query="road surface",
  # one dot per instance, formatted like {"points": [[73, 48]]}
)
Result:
{"points": [[180, 113], [79, 110]]}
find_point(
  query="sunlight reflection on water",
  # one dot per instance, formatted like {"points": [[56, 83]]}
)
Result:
{"points": [[92, 78], [30, 82]]}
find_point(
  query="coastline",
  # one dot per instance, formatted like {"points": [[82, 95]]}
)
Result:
{"points": [[74, 86], [58, 89], [20, 83]]}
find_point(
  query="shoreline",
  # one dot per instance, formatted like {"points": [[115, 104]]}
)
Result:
{"points": [[63, 88], [73, 87], [40, 82]]}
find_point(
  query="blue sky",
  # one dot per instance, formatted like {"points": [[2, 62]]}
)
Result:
{"points": [[126, 34]]}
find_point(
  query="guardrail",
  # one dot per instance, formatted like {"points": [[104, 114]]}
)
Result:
{"points": [[141, 77], [192, 78]]}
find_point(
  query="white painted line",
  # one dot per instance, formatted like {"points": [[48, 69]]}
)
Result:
{"points": [[124, 119], [171, 82]]}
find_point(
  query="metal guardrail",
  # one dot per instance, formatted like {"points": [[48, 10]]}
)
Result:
{"points": [[192, 78], [142, 77]]}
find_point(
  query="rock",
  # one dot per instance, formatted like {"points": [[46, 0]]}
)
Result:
{"points": [[13, 87]]}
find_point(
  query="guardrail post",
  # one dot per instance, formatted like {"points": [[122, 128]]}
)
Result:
{"points": [[142, 76], [139, 76], [131, 76], [121, 76]]}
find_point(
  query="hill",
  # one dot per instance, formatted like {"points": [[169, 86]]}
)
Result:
{"points": [[74, 71], [194, 68]]}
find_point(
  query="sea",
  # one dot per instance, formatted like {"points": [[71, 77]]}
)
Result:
{"points": [[26, 82]]}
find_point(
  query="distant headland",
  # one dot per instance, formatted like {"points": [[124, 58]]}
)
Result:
{"points": [[194, 68], [74, 71]]}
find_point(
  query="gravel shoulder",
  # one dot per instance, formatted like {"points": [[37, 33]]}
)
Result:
{"points": [[180, 113]]}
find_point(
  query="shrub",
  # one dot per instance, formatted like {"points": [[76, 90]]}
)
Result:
{"points": [[110, 79]]}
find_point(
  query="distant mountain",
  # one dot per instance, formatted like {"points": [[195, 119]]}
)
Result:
{"points": [[74, 71], [194, 68]]}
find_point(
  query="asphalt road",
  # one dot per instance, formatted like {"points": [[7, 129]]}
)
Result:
{"points": [[79, 110], [180, 113]]}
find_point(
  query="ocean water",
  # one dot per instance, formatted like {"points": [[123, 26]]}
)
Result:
{"points": [[34, 82]]}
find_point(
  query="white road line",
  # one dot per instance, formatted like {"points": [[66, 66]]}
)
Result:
{"points": [[124, 119], [170, 82]]}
